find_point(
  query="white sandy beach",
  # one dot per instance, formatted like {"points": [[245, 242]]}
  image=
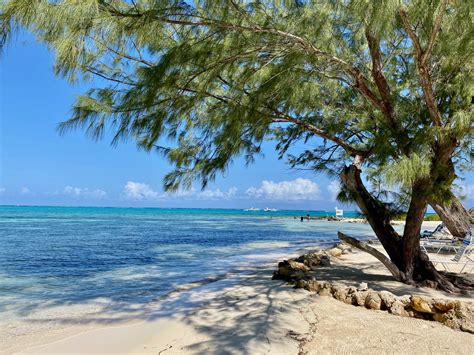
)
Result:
{"points": [[247, 313]]}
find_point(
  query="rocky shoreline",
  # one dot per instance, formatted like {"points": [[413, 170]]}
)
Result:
{"points": [[302, 272]]}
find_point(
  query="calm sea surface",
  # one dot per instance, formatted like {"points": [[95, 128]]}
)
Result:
{"points": [[75, 255]]}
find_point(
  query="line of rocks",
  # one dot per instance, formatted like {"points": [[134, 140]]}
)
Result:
{"points": [[455, 314]]}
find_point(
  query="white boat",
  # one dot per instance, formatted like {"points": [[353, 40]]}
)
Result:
{"points": [[267, 209], [252, 209], [339, 212]]}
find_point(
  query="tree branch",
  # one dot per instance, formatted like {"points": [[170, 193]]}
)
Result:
{"points": [[436, 28], [379, 77], [394, 270], [281, 117], [360, 82], [421, 63]]}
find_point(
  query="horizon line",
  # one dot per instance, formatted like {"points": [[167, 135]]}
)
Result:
{"points": [[175, 208]]}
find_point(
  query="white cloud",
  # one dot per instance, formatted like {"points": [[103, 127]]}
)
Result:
{"points": [[140, 191], [217, 194], [83, 192], [298, 189], [24, 191], [334, 188], [181, 193]]}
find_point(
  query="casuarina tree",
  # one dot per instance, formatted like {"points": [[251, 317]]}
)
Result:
{"points": [[375, 90]]}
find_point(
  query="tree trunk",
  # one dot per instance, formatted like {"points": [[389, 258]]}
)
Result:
{"points": [[454, 216], [404, 252]]}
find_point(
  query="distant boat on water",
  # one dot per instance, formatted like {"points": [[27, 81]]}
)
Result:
{"points": [[252, 209], [267, 209]]}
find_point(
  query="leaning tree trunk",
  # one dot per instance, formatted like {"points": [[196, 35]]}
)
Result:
{"points": [[454, 216], [404, 251]]}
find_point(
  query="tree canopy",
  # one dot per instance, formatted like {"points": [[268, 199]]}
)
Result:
{"points": [[382, 79], [382, 86]]}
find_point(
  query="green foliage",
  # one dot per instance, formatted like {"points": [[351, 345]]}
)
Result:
{"points": [[202, 82], [432, 217], [428, 217]]}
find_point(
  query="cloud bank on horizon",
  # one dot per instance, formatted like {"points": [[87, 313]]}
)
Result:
{"points": [[281, 192]]}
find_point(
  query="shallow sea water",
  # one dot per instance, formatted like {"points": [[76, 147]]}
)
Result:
{"points": [[57, 256]]}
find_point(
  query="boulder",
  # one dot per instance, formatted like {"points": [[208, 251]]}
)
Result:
{"points": [[325, 289], [336, 252], [341, 293], [312, 286], [301, 284], [405, 299], [460, 317], [422, 305], [325, 260], [373, 300], [358, 298], [387, 298], [314, 260], [443, 305], [298, 266], [290, 270], [398, 308]]}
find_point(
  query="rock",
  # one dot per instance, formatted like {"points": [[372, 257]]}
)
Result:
{"points": [[336, 252], [440, 317], [464, 313], [387, 298], [363, 286], [312, 286], [298, 266], [373, 300], [301, 284], [290, 270], [341, 293], [358, 298], [398, 308], [422, 305], [297, 275], [405, 299], [443, 305], [314, 260], [325, 260], [325, 289]]}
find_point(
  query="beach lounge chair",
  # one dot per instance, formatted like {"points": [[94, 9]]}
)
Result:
{"points": [[428, 234], [462, 257], [440, 233], [437, 246], [439, 240]]}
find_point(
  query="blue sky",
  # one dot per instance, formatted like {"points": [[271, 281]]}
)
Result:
{"points": [[40, 167]]}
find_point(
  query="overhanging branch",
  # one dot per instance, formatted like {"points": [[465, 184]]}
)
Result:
{"points": [[422, 57]]}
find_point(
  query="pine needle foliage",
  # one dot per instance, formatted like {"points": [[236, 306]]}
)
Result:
{"points": [[203, 82]]}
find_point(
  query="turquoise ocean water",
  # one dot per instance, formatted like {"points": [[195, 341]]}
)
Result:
{"points": [[70, 255]]}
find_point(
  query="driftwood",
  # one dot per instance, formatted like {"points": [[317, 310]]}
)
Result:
{"points": [[374, 252]]}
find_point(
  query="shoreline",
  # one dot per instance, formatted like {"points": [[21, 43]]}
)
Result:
{"points": [[245, 310]]}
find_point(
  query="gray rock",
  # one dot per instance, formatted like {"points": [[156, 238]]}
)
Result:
{"points": [[398, 308], [358, 298], [373, 300], [388, 299]]}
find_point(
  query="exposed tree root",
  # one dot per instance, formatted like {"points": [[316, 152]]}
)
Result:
{"points": [[426, 274]]}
